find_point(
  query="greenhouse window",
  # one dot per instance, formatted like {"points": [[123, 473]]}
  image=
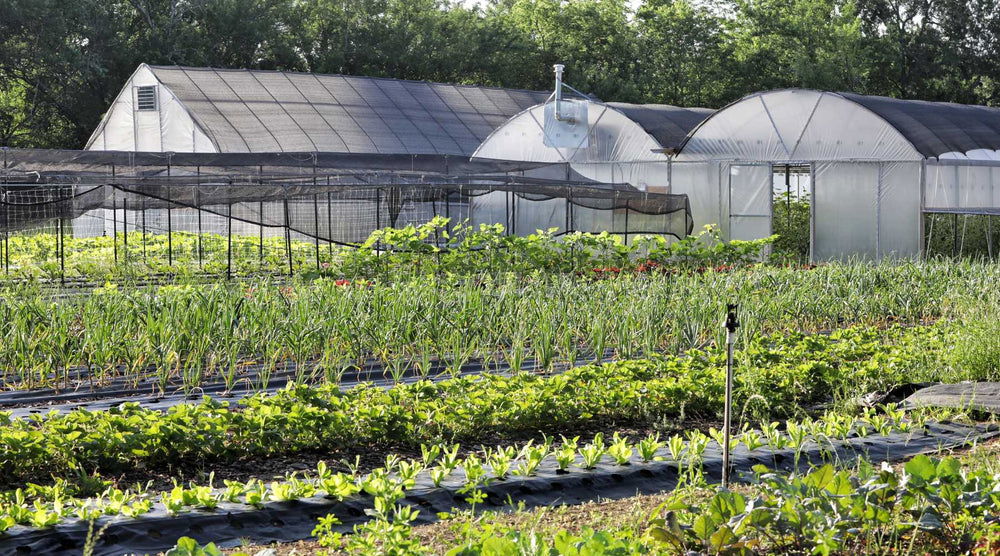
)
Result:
{"points": [[145, 97]]}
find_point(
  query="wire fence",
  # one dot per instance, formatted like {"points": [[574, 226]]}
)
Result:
{"points": [[81, 232]]}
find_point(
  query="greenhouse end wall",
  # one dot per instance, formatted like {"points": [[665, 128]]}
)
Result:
{"points": [[864, 210]]}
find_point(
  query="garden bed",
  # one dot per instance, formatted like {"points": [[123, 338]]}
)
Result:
{"points": [[231, 524]]}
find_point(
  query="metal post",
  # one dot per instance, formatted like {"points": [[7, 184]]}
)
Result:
{"points": [[288, 238], [572, 219], [788, 198], [170, 227], [954, 235], [125, 229], [6, 215], [513, 213], [260, 244], [626, 222], [114, 212], [329, 219], [229, 242], [989, 235], [316, 222], [197, 205], [732, 323], [62, 254], [170, 238], [144, 231], [114, 223], [378, 217], [506, 198]]}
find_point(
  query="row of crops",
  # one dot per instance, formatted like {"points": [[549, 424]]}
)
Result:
{"points": [[928, 506], [189, 334], [444, 465], [439, 246], [779, 376]]}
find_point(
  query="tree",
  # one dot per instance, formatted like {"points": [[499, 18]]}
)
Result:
{"points": [[797, 43], [682, 54]]}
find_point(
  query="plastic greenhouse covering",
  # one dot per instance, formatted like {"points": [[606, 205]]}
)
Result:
{"points": [[620, 146]]}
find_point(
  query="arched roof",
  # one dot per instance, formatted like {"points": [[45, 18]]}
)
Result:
{"points": [[937, 128], [619, 144], [804, 124], [619, 132], [669, 125]]}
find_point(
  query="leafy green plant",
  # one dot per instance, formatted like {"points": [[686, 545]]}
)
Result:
{"points": [[186, 546], [566, 453], [531, 457], [620, 450], [647, 447], [592, 452]]}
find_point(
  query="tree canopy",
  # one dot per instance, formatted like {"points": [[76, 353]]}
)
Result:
{"points": [[62, 63]]}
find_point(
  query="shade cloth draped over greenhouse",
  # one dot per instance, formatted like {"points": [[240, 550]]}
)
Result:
{"points": [[368, 191], [217, 110]]}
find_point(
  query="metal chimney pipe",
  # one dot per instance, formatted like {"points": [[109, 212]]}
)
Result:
{"points": [[559, 78]]}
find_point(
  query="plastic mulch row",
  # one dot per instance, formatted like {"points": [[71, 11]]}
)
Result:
{"points": [[231, 524], [24, 403]]}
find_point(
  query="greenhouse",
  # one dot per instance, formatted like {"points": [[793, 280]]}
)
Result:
{"points": [[613, 142], [876, 166], [329, 159]]}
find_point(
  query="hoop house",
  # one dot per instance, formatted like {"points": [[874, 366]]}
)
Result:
{"points": [[621, 147], [875, 166]]}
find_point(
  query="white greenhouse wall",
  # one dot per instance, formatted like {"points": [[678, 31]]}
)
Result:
{"points": [[169, 128], [866, 186]]}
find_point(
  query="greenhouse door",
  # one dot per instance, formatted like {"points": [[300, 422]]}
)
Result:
{"points": [[750, 201]]}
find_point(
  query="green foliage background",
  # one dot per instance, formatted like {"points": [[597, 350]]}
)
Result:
{"points": [[62, 63]]}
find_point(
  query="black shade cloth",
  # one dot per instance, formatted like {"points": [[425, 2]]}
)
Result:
{"points": [[369, 191], [669, 125], [274, 111], [936, 128]]}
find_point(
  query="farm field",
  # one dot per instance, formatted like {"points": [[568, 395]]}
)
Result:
{"points": [[427, 400]]}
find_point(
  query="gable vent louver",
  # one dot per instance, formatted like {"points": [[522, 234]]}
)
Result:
{"points": [[145, 98]]}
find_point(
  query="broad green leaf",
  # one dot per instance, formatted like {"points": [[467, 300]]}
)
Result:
{"points": [[820, 477], [930, 520], [921, 466], [722, 538], [840, 485], [704, 526], [949, 467]]}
